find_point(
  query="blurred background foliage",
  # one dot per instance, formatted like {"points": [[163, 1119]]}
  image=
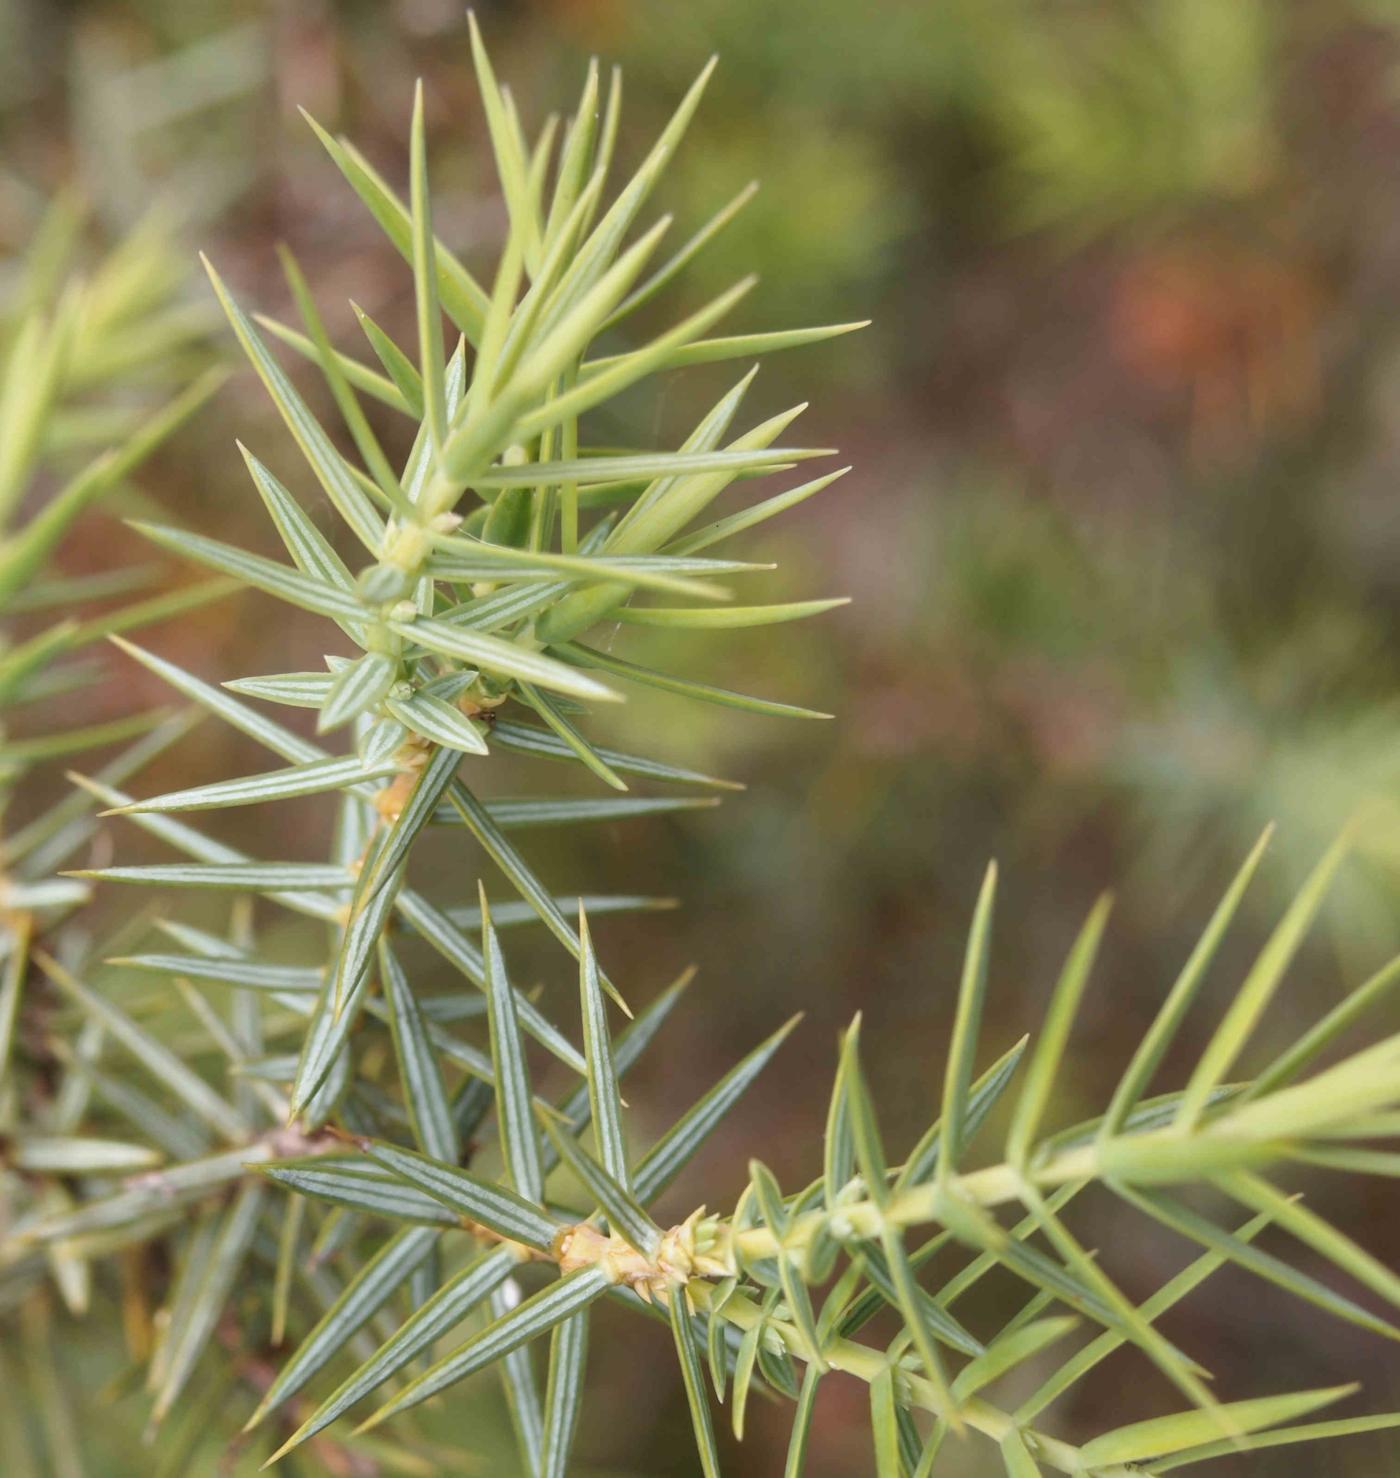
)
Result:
{"points": [[1122, 531]]}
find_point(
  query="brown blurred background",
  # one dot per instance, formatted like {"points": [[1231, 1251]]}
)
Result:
{"points": [[1122, 530]]}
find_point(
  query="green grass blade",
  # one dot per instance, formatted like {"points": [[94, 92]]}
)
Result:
{"points": [[323, 1068], [310, 550], [838, 1145], [291, 689], [576, 157], [640, 466], [940, 1323], [747, 518], [918, 1325], [74, 1154], [25, 553], [1170, 1294], [429, 787], [612, 376], [769, 1200], [603, 244], [1180, 998], [983, 1096], [688, 491], [236, 877], [235, 970], [745, 1362], [21, 934], [737, 346], [1313, 1231], [1124, 1314], [1235, 1247], [865, 1132], [33, 379], [438, 930], [348, 1185], [1289, 1064]]}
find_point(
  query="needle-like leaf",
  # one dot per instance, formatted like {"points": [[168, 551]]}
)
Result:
{"points": [[431, 357], [627, 1218], [309, 594], [457, 1297], [1059, 1021], [187, 1342], [568, 1356], [537, 1315], [345, 494], [1259, 987], [688, 1353], [603, 1097], [367, 1292], [519, 1146], [425, 1097], [967, 1024], [518, 1380], [1163, 1435], [496, 1207], [462, 296], [158, 1060], [312, 778], [682, 687], [527, 739]]}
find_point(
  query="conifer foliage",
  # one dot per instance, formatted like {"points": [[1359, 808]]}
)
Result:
{"points": [[369, 1174]]}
